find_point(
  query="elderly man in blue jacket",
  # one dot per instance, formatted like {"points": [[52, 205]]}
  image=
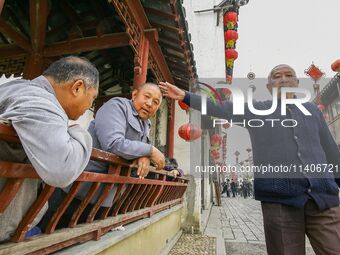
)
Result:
{"points": [[300, 203]]}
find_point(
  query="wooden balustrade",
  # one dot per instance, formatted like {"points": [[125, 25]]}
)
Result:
{"points": [[134, 199]]}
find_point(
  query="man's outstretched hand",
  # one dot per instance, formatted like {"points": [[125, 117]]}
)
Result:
{"points": [[171, 91]]}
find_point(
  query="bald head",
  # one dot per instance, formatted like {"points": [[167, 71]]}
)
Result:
{"points": [[146, 100], [149, 84], [282, 76], [281, 66]]}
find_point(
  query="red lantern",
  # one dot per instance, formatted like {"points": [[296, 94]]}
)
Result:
{"points": [[230, 19], [230, 38], [321, 107], [183, 105], [226, 125], [314, 72], [215, 154], [336, 66], [231, 54], [216, 140], [189, 132], [226, 91]]}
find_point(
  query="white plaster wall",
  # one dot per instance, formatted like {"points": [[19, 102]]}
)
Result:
{"points": [[181, 148], [206, 37]]}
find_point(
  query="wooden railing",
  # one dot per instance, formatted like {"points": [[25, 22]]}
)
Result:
{"points": [[134, 199]]}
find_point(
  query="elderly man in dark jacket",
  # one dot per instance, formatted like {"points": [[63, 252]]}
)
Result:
{"points": [[303, 202]]}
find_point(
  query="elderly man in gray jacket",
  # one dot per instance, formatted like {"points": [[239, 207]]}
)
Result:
{"points": [[121, 126], [39, 111]]}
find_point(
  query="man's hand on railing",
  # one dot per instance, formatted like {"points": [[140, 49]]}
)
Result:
{"points": [[158, 158], [143, 167]]}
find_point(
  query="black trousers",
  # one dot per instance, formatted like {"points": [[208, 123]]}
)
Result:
{"points": [[53, 204]]}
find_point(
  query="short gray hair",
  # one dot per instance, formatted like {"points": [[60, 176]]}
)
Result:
{"points": [[279, 66], [148, 84], [73, 68]]}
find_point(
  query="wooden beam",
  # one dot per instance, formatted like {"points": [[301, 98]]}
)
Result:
{"points": [[33, 66], [14, 14], [166, 27], [179, 77], [87, 44], [178, 69], [2, 2], [167, 38], [141, 63], [138, 13], [161, 13], [15, 36], [38, 18], [10, 50], [170, 46], [157, 53], [177, 56], [177, 62], [39, 10]]}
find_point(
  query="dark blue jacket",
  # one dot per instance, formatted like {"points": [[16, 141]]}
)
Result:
{"points": [[305, 148]]}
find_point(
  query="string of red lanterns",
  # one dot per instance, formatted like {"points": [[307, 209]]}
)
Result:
{"points": [[230, 19]]}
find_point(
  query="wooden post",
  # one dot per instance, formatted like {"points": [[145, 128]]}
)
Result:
{"points": [[2, 3], [141, 63], [34, 65]]}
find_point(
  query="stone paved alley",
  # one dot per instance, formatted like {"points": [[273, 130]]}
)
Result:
{"points": [[238, 230], [238, 226]]}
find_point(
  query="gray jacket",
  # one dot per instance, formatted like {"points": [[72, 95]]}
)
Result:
{"points": [[59, 154], [118, 129]]}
